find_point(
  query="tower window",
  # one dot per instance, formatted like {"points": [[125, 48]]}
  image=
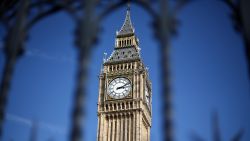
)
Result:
{"points": [[118, 106], [122, 105], [107, 107], [111, 107]]}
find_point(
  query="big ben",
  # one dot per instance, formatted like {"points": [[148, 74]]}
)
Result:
{"points": [[125, 91]]}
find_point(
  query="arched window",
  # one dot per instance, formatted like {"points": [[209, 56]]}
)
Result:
{"points": [[123, 106], [107, 107]]}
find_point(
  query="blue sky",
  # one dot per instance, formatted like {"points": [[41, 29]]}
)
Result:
{"points": [[208, 70]]}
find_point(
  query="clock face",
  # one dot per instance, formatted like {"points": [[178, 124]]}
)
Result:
{"points": [[119, 87]]}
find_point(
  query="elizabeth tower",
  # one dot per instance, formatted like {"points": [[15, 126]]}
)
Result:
{"points": [[124, 102]]}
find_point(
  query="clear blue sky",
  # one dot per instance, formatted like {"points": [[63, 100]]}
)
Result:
{"points": [[208, 69]]}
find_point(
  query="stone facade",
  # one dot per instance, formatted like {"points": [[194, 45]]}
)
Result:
{"points": [[127, 118]]}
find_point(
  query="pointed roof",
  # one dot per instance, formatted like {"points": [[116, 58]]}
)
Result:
{"points": [[129, 52], [124, 54], [127, 27]]}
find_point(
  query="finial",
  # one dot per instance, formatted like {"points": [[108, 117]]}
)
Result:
{"points": [[104, 57], [128, 5], [101, 69]]}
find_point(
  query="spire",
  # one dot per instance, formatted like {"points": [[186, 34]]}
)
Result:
{"points": [[126, 44], [127, 27]]}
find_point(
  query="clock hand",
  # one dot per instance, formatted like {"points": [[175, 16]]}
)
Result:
{"points": [[125, 84], [119, 87], [122, 86]]}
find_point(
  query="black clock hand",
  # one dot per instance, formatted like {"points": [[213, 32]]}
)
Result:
{"points": [[122, 86], [125, 84], [119, 88]]}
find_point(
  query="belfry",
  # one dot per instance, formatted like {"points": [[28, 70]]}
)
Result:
{"points": [[125, 91]]}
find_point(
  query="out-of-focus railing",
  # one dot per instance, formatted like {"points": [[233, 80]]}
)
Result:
{"points": [[241, 22]]}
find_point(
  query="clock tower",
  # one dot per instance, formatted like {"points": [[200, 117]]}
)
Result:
{"points": [[125, 94]]}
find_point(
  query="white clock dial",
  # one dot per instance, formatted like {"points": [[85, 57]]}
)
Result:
{"points": [[119, 88]]}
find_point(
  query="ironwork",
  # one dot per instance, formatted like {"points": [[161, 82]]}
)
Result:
{"points": [[17, 19], [241, 23]]}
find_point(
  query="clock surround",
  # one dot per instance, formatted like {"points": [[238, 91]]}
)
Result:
{"points": [[119, 87]]}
